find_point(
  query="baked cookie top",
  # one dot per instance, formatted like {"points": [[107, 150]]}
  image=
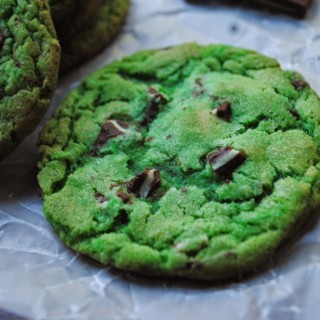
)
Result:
{"points": [[29, 63], [192, 161]]}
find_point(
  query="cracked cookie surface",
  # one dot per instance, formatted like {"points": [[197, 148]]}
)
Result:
{"points": [[29, 63], [191, 161]]}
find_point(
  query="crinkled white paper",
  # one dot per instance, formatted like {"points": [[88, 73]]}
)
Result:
{"points": [[41, 279]]}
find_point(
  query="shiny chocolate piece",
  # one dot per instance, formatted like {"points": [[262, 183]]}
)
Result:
{"points": [[109, 130], [223, 111], [144, 183], [226, 160], [157, 101]]}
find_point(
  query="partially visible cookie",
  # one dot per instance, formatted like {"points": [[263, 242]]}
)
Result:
{"points": [[192, 161], [88, 40], [62, 10], [71, 15], [29, 64]]}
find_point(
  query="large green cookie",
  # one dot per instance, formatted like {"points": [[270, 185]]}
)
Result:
{"points": [[87, 40], [193, 161], [29, 64]]}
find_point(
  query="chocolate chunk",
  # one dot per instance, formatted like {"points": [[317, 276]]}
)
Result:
{"points": [[226, 160], [299, 84], [223, 111], [153, 108], [109, 130], [144, 183], [169, 136], [124, 196]]}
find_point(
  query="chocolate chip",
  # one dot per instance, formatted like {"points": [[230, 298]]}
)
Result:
{"points": [[299, 84], [157, 101], [144, 183], [149, 139], [226, 160], [223, 111], [169, 136], [109, 130], [184, 189], [124, 196]]}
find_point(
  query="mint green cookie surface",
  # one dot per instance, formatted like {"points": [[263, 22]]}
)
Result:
{"points": [[192, 161], [29, 64]]}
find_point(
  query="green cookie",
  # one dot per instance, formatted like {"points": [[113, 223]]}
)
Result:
{"points": [[192, 161], [85, 41], [29, 64]]}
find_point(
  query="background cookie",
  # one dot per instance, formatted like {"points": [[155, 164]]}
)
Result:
{"points": [[71, 15], [89, 39], [193, 161], [63, 9], [29, 64]]}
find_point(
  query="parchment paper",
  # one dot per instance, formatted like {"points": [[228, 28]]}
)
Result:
{"points": [[41, 279]]}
